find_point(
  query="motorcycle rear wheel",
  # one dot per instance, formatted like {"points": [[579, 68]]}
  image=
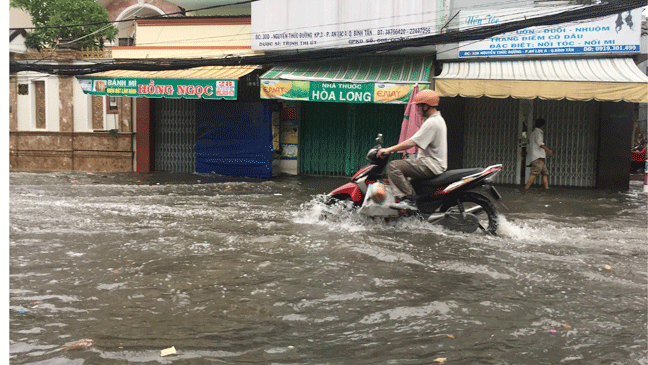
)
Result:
{"points": [[490, 222]]}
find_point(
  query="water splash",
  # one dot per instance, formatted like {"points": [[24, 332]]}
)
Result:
{"points": [[342, 215], [512, 230]]}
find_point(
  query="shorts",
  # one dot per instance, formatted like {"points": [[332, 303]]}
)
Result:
{"points": [[538, 167]]}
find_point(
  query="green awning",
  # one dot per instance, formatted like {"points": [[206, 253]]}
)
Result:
{"points": [[388, 79], [206, 82]]}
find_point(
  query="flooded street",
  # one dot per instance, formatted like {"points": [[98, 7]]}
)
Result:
{"points": [[242, 272]]}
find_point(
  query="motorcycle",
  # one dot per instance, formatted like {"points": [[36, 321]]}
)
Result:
{"points": [[456, 199]]}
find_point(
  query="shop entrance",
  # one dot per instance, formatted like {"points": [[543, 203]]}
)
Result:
{"points": [[493, 134], [335, 137], [175, 135]]}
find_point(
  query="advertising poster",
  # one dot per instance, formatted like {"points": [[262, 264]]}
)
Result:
{"points": [[338, 23], [338, 92], [161, 88], [620, 34]]}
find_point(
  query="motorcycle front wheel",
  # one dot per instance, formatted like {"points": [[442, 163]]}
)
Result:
{"points": [[488, 217], [344, 198]]}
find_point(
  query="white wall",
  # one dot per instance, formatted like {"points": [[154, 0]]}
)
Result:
{"points": [[82, 109], [17, 45], [26, 103]]}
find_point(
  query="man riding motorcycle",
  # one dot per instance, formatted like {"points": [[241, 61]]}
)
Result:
{"points": [[432, 159]]}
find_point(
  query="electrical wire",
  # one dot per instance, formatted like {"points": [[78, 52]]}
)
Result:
{"points": [[129, 20], [595, 11], [333, 42], [104, 27], [296, 29], [251, 33], [320, 43]]}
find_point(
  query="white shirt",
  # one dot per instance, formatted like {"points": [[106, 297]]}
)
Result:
{"points": [[432, 141], [536, 139]]}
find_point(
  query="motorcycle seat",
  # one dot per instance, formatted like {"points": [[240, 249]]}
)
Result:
{"points": [[445, 178]]}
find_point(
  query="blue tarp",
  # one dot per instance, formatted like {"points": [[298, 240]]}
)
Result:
{"points": [[234, 138]]}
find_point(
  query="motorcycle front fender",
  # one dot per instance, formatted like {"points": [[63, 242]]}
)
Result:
{"points": [[349, 189]]}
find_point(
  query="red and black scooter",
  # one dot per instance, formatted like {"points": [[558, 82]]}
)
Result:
{"points": [[455, 199]]}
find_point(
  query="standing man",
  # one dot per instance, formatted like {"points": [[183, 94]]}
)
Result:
{"points": [[538, 153], [432, 158]]}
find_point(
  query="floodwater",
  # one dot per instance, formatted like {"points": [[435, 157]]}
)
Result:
{"points": [[247, 272]]}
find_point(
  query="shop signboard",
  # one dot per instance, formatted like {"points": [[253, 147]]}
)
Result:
{"points": [[160, 88], [338, 92], [283, 24], [616, 34]]}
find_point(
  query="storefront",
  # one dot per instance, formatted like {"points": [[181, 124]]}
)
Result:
{"points": [[580, 77], [205, 119], [335, 109], [502, 99]]}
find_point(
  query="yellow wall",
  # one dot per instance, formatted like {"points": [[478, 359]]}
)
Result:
{"points": [[195, 35], [18, 18], [188, 41], [136, 52]]}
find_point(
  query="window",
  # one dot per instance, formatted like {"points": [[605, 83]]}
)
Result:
{"points": [[124, 42], [111, 105]]}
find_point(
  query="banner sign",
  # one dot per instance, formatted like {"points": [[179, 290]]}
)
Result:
{"points": [[161, 88], [338, 92], [280, 24], [616, 34]]}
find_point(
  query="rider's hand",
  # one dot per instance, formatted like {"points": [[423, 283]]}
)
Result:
{"points": [[383, 152]]}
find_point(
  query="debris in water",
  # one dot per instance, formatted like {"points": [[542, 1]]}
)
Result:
{"points": [[451, 336], [552, 331], [441, 360], [567, 326], [170, 351], [608, 267], [82, 344]]}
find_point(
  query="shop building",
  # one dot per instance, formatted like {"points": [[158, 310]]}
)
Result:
{"points": [[333, 109], [581, 77], [202, 119], [53, 124], [590, 95]]}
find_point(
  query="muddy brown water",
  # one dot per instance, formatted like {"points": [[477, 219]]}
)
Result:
{"points": [[246, 271]]}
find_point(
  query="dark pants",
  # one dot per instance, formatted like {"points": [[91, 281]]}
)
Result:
{"points": [[399, 170]]}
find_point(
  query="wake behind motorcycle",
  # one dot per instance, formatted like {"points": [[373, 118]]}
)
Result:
{"points": [[455, 199]]}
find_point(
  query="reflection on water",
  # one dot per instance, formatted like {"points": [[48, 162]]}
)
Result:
{"points": [[263, 272]]}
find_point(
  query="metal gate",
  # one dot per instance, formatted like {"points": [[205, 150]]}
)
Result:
{"points": [[334, 138], [175, 135], [490, 136], [572, 134]]}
